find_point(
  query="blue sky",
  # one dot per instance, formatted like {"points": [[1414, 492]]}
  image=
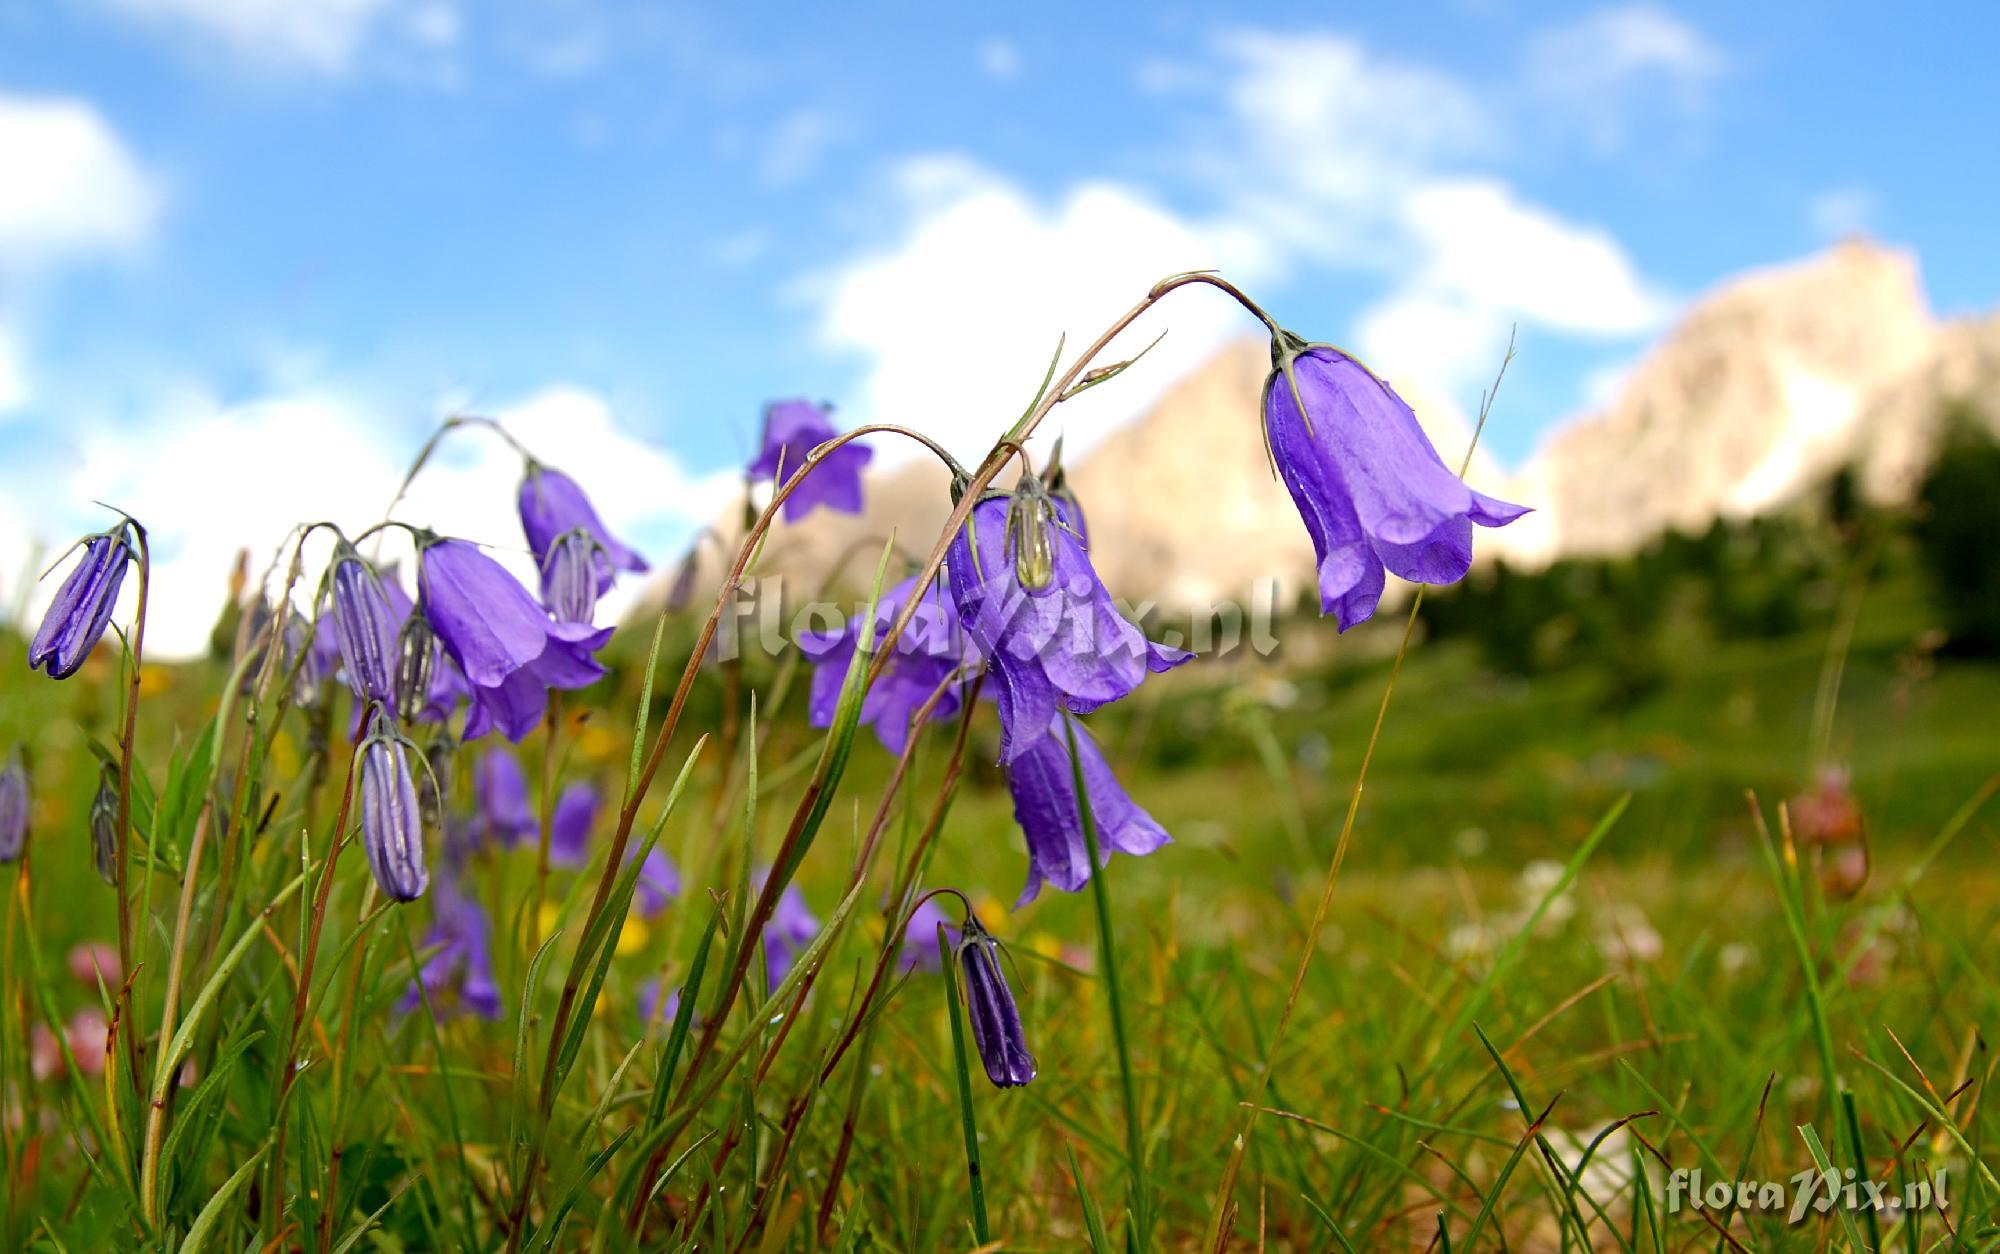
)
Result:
{"points": [[251, 250]]}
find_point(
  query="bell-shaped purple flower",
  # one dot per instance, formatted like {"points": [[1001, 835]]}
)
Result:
{"points": [[1371, 488], [500, 799], [365, 626], [458, 974], [552, 505], [1062, 647], [990, 1009], [792, 430], [507, 647], [790, 930], [1044, 790], [658, 884], [929, 651], [571, 822], [82, 609], [392, 830], [13, 808]]}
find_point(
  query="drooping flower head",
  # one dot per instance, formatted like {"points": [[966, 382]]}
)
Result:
{"points": [[990, 1008], [1043, 786], [104, 825], [458, 975], [13, 807], [570, 824], [505, 644], [792, 430], [1062, 647], [552, 505], [658, 884], [791, 929], [1370, 487], [392, 830], [931, 649], [365, 626], [82, 609], [500, 798]]}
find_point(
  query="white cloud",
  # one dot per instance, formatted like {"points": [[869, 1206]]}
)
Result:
{"points": [[999, 59], [71, 187], [321, 36], [210, 478], [1326, 157], [1486, 261], [1598, 72], [1839, 212], [956, 317]]}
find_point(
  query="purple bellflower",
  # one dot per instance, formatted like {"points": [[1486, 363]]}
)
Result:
{"points": [[507, 647], [500, 796], [552, 505], [1369, 485], [13, 808], [392, 831], [570, 579], [792, 430], [790, 930], [1044, 790], [571, 822], [929, 651], [82, 608], [365, 626], [462, 962], [990, 1009], [658, 884], [1063, 646]]}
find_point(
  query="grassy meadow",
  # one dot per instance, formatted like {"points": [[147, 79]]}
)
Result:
{"points": [[1575, 946]]}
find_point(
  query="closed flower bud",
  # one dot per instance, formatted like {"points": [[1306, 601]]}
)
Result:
{"points": [[416, 665], [82, 609], [365, 626], [13, 808], [104, 826], [392, 831], [989, 1006]]}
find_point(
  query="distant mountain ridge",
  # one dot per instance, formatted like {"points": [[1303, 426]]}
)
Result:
{"points": [[1765, 387]]}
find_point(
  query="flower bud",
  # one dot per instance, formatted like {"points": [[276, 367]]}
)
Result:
{"points": [[13, 808], [416, 663], [365, 626], [104, 826], [392, 831], [82, 609], [989, 1005]]}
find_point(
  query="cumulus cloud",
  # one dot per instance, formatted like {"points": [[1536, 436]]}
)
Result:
{"points": [[210, 478], [1605, 69], [1321, 157], [72, 187], [955, 316], [321, 36]]}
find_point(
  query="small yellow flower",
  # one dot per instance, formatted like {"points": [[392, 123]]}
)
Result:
{"points": [[1045, 945]]}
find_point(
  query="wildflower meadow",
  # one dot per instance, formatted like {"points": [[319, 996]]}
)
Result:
{"points": [[440, 909]]}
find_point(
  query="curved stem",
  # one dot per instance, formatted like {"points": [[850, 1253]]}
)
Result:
{"points": [[126, 956]]}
